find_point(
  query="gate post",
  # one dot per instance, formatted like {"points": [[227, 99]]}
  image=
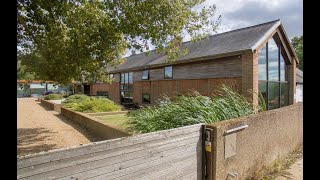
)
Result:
{"points": [[208, 153]]}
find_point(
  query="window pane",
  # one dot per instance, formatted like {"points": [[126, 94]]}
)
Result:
{"points": [[146, 98], [284, 101], [273, 66], [282, 69], [122, 77], [126, 77], [127, 97], [263, 90], [130, 77], [121, 86], [130, 87], [168, 72], [145, 74], [262, 68], [273, 95]]}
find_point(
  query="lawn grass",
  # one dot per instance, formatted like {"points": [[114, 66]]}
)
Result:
{"points": [[118, 120]]}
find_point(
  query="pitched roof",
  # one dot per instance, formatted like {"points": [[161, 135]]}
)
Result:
{"points": [[299, 76], [219, 45]]}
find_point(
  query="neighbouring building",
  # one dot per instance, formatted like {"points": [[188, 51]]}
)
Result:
{"points": [[299, 86], [258, 58], [35, 88]]}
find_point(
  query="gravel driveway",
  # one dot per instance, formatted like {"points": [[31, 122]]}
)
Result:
{"points": [[40, 129]]}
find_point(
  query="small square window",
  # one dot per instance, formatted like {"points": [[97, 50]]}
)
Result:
{"points": [[145, 75], [168, 72], [146, 98]]}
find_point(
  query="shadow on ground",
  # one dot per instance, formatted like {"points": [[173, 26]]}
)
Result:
{"points": [[86, 132], [33, 140]]}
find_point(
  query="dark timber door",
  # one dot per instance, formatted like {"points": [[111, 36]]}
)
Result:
{"points": [[86, 89]]}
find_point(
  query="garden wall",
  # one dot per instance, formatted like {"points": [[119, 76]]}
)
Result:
{"points": [[98, 128], [244, 145], [51, 105]]}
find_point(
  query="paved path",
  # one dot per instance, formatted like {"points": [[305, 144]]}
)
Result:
{"points": [[295, 171], [40, 129]]}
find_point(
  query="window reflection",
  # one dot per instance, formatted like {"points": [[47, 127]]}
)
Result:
{"points": [[274, 90], [168, 72], [262, 67], [273, 64]]}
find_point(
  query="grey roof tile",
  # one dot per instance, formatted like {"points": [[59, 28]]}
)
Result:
{"points": [[227, 42]]}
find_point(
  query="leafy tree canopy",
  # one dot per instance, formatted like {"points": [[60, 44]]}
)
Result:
{"points": [[22, 72], [297, 43], [65, 40]]}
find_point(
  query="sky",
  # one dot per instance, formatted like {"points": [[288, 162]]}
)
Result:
{"points": [[242, 13], [237, 14]]}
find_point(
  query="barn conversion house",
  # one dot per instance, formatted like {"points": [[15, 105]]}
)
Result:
{"points": [[258, 57]]}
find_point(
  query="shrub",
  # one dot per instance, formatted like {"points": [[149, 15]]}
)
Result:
{"points": [[92, 104], [77, 98], [53, 97], [191, 109]]}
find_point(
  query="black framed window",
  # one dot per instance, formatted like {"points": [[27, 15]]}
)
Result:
{"points": [[102, 93], [273, 75], [168, 72], [146, 98], [145, 75], [126, 87]]}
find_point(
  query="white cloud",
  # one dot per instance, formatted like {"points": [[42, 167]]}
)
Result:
{"points": [[241, 13]]}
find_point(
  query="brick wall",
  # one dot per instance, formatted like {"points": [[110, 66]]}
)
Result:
{"points": [[99, 87], [159, 88], [141, 87], [112, 89], [172, 88], [249, 78]]}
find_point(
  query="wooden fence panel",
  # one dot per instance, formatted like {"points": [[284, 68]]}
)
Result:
{"points": [[169, 154]]}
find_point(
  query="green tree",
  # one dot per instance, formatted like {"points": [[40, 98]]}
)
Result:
{"points": [[65, 40], [22, 72], [297, 43]]}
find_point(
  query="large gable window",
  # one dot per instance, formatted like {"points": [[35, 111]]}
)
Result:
{"points": [[273, 75]]}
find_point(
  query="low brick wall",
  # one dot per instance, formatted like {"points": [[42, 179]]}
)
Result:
{"points": [[98, 128], [107, 113], [51, 105], [268, 136]]}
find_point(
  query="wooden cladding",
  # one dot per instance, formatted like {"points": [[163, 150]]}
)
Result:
{"points": [[218, 68]]}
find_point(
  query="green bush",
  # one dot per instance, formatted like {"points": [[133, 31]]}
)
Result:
{"points": [[191, 109], [53, 97], [92, 104], [77, 98]]}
